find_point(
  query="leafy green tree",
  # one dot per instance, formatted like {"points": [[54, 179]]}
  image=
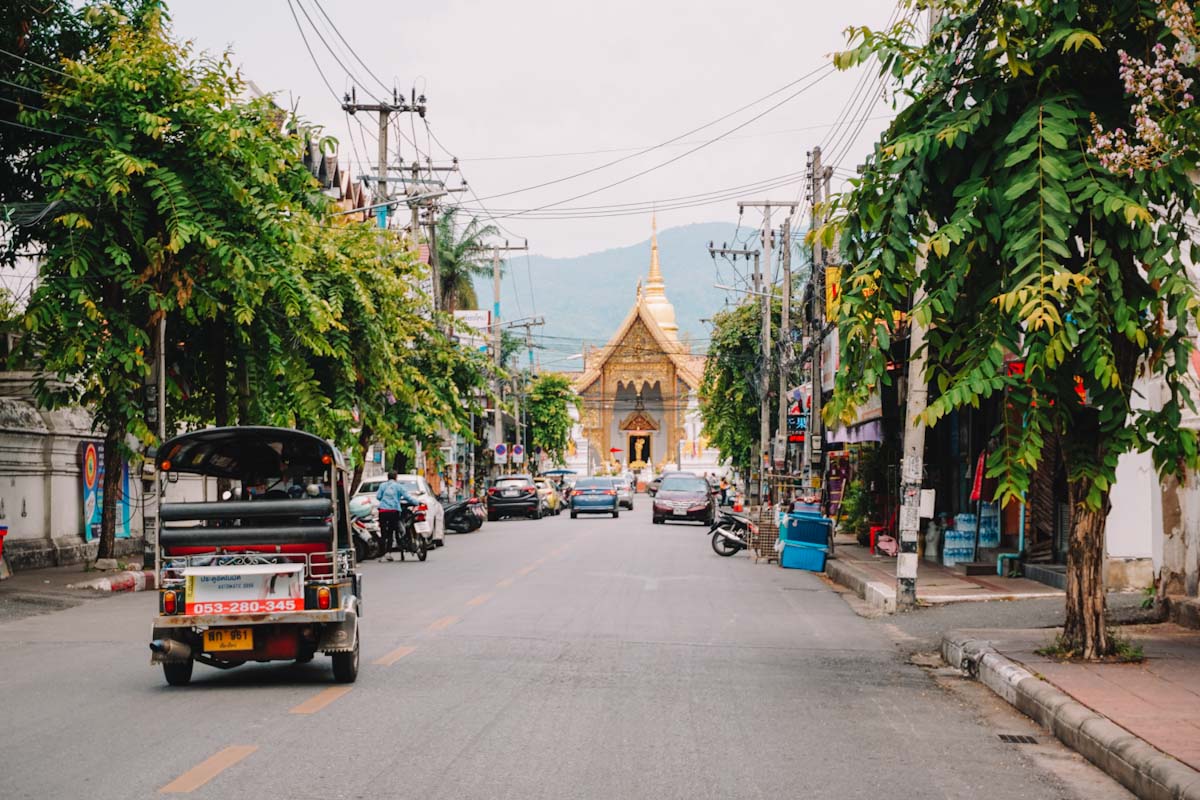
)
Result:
{"points": [[729, 391], [549, 408], [1036, 252], [182, 202], [36, 36], [461, 259]]}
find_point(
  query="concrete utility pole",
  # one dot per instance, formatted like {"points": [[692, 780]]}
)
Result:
{"points": [[813, 436], [764, 425], [497, 422], [747, 254], [785, 332], [384, 110]]}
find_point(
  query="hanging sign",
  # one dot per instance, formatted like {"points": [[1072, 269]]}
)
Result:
{"points": [[518, 453], [502, 452]]}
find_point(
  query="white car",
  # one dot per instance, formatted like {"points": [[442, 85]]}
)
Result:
{"points": [[434, 525], [625, 491]]}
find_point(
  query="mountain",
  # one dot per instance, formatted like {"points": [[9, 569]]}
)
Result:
{"points": [[586, 297]]}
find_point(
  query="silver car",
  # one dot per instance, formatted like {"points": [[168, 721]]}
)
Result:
{"points": [[625, 492]]}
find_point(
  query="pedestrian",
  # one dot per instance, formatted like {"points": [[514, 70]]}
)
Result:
{"points": [[724, 491], [392, 498]]}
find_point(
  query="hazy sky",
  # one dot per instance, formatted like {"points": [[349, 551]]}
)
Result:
{"points": [[546, 77]]}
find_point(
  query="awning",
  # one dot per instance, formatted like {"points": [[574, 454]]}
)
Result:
{"points": [[856, 434]]}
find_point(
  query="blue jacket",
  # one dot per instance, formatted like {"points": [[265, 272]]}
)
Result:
{"points": [[392, 496]]}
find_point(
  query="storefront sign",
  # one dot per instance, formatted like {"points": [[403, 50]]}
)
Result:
{"points": [[245, 589], [833, 291]]}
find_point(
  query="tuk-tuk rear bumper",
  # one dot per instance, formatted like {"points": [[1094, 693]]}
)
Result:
{"points": [[283, 617]]}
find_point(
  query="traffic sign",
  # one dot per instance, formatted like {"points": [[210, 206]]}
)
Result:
{"points": [[518, 453], [502, 452]]}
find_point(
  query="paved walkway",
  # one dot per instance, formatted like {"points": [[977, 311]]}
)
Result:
{"points": [[1157, 700], [938, 584]]}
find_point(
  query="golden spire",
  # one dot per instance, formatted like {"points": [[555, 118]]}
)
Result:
{"points": [[654, 295], [654, 284]]}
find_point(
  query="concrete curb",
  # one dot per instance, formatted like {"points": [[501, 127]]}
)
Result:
{"points": [[128, 581], [878, 595], [1141, 768]]}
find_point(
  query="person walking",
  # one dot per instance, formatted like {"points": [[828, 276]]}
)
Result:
{"points": [[392, 498], [724, 491]]}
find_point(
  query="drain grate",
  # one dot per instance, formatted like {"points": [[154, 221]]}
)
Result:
{"points": [[1014, 738]]}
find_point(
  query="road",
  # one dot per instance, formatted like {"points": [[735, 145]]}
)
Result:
{"points": [[589, 658]]}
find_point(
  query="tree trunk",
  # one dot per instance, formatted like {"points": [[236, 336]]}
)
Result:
{"points": [[1085, 630], [243, 390], [114, 469], [364, 442]]}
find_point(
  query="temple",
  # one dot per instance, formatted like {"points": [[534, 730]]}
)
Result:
{"points": [[639, 405]]}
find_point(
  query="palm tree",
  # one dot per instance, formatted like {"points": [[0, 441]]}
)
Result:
{"points": [[461, 259]]}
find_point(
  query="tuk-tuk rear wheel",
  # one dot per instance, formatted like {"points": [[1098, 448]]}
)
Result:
{"points": [[345, 665], [178, 673]]}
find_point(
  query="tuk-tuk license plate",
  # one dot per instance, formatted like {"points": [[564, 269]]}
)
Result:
{"points": [[220, 639]]}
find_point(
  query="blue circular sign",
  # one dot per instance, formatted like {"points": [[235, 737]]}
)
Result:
{"points": [[501, 449]]}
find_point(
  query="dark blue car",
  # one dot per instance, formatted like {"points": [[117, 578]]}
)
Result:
{"points": [[594, 496]]}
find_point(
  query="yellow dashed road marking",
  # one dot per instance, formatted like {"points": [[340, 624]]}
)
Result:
{"points": [[320, 700], [442, 624], [208, 769], [394, 656]]}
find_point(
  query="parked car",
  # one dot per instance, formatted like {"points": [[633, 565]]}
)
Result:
{"points": [[625, 491], [683, 496], [430, 520], [595, 496], [552, 502], [513, 496]]}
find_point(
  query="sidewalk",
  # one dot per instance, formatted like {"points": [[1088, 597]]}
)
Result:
{"points": [[1137, 722], [873, 578]]}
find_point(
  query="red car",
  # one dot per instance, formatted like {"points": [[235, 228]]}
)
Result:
{"points": [[683, 496]]}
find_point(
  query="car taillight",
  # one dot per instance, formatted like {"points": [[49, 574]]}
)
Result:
{"points": [[323, 597], [610, 491], [170, 602], [493, 490], [419, 515], [531, 488]]}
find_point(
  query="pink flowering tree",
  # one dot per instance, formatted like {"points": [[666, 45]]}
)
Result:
{"points": [[1164, 121]]}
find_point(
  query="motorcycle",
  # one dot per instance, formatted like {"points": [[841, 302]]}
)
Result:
{"points": [[465, 515], [368, 542], [411, 541], [731, 533]]}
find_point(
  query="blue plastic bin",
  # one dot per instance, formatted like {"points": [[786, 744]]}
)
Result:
{"points": [[801, 555], [805, 528]]}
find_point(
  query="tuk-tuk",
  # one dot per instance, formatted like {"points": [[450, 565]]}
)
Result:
{"points": [[256, 563]]}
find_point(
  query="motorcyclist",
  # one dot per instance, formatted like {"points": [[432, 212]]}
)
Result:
{"points": [[392, 498]]}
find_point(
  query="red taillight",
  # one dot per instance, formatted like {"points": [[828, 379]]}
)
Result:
{"points": [[170, 602], [530, 489], [419, 513], [323, 597], [493, 490], [610, 491]]}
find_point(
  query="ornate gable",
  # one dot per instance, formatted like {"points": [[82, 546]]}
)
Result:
{"points": [[638, 421]]}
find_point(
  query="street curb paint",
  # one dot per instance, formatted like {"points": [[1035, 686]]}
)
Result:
{"points": [[1143, 769], [128, 581]]}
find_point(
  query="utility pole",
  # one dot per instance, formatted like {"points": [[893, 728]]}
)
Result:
{"points": [[813, 435], [785, 332], [351, 105], [497, 422], [733, 252], [764, 429]]}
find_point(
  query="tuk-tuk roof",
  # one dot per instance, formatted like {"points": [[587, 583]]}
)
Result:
{"points": [[248, 451]]}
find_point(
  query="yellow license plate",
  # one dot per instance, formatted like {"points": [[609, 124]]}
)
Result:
{"points": [[220, 639]]}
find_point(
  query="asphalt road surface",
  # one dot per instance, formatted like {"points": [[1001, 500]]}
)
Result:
{"points": [[590, 658]]}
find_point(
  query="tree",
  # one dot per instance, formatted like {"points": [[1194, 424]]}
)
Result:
{"points": [[182, 202], [730, 390], [37, 37], [549, 408], [1036, 252], [461, 259]]}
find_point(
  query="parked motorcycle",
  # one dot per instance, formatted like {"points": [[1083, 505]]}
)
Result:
{"points": [[465, 515], [731, 533], [368, 542], [411, 541]]}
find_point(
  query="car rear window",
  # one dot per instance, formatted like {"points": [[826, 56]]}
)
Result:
{"points": [[594, 483], [683, 483], [511, 483]]}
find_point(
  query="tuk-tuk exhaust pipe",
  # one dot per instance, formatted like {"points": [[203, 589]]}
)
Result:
{"points": [[171, 649]]}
